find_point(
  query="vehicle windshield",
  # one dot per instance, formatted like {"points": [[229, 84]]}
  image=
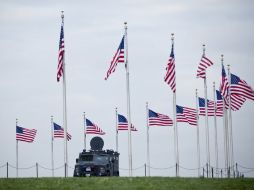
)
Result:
{"points": [[103, 159], [87, 158]]}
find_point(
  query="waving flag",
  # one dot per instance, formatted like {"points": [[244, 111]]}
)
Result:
{"points": [[210, 108], [236, 101], [241, 88], [185, 114], [170, 77], [123, 123], [91, 128], [26, 135], [219, 100], [118, 58], [204, 63], [59, 132], [61, 50], [157, 119], [224, 86]]}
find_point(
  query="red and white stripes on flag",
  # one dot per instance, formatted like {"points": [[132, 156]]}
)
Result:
{"points": [[185, 114], [118, 58], [60, 67], [237, 98], [170, 77], [236, 102], [26, 135], [157, 119], [224, 86], [204, 63], [59, 132], [241, 88], [210, 108], [123, 124], [92, 128]]}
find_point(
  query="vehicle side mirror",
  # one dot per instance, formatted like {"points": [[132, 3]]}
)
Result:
{"points": [[76, 160]]}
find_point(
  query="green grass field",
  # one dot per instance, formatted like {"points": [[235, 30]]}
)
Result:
{"points": [[106, 183]]}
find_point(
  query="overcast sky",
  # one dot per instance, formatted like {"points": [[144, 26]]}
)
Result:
{"points": [[29, 38]]}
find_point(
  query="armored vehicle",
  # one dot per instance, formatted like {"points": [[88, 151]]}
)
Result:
{"points": [[97, 162]]}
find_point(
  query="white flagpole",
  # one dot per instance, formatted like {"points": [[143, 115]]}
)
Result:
{"points": [[175, 124], [227, 142], [225, 134], [84, 115], [128, 100], [215, 129], [198, 146], [64, 111], [147, 140], [230, 125], [52, 146], [116, 131], [206, 122], [176, 135], [225, 128], [17, 153]]}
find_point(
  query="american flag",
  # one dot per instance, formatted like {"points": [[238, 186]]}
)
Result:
{"points": [[224, 86], [59, 132], [123, 123], [157, 119], [170, 77], [219, 100], [118, 58], [237, 100], [240, 87], [26, 135], [204, 63], [185, 114], [210, 108], [91, 128], [60, 68]]}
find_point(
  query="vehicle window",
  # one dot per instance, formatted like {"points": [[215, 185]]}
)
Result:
{"points": [[101, 158], [86, 158]]}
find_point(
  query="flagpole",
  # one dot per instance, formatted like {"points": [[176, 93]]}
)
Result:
{"points": [[225, 126], [116, 131], [175, 124], [198, 146], [225, 134], [206, 121], [84, 115], [17, 153], [176, 135], [128, 100], [215, 129], [147, 140], [227, 143], [64, 111], [52, 149], [230, 125]]}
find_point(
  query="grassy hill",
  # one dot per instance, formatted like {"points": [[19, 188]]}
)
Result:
{"points": [[106, 183]]}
